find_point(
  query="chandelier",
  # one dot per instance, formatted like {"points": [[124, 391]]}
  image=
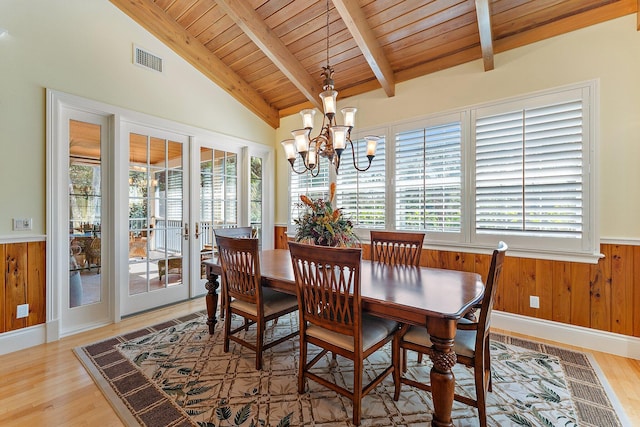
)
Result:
{"points": [[332, 139]]}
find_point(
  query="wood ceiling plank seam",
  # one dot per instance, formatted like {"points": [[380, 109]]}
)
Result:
{"points": [[179, 8], [260, 33], [206, 22], [200, 8], [468, 22], [501, 6], [413, 56], [592, 17], [288, 13], [229, 34], [164, 4], [309, 20], [459, 13], [535, 14]]}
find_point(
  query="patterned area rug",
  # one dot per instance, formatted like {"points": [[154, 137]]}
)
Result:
{"points": [[176, 374]]}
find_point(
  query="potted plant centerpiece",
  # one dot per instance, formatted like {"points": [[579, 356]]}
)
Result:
{"points": [[323, 225]]}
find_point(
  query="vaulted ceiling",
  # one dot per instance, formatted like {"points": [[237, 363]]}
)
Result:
{"points": [[268, 54]]}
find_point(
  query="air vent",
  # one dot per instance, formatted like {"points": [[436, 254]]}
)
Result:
{"points": [[146, 59]]}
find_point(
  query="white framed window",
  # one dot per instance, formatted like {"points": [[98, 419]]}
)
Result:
{"points": [[532, 172], [361, 195], [429, 177], [521, 170], [313, 187]]}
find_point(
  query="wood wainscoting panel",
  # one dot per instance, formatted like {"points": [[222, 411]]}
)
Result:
{"points": [[15, 284], [36, 285], [3, 282], [604, 296], [622, 289], [601, 292], [636, 291], [23, 281]]}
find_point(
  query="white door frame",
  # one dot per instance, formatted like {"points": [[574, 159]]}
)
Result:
{"points": [[62, 320]]}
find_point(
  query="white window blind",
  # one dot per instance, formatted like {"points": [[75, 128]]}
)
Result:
{"points": [[361, 195], [529, 166], [312, 187], [429, 179]]}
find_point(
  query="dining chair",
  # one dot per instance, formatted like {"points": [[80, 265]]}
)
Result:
{"points": [[471, 344], [331, 317], [245, 296], [396, 248], [237, 232]]}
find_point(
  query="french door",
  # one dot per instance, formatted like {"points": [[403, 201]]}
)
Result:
{"points": [[132, 205], [83, 171], [157, 224]]}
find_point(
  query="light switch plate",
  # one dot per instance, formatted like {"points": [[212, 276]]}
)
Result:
{"points": [[21, 224]]}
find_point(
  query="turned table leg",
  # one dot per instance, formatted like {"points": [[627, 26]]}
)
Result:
{"points": [[212, 299], [442, 332]]}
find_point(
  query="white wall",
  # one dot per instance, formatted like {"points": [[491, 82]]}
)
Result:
{"points": [[84, 47], [609, 52]]}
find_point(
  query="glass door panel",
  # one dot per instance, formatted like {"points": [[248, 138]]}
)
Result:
{"points": [[85, 213], [218, 197], [157, 227]]}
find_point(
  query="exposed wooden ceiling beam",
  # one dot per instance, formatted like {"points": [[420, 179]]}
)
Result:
{"points": [[356, 23], [259, 32], [156, 21], [486, 37]]}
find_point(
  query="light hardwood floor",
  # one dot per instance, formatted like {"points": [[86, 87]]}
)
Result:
{"points": [[47, 385]]}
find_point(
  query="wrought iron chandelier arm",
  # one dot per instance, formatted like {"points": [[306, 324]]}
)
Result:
{"points": [[353, 155]]}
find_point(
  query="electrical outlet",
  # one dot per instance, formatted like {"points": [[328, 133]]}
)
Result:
{"points": [[23, 311], [534, 301], [21, 224]]}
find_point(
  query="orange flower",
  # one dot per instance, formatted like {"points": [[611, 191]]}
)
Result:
{"points": [[332, 192], [336, 214], [307, 201]]}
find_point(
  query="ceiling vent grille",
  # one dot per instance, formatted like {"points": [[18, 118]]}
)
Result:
{"points": [[147, 59]]}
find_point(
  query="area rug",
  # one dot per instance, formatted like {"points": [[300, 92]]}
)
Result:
{"points": [[176, 374]]}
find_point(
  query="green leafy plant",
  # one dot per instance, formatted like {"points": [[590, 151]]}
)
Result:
{"points": [[323, 225]]}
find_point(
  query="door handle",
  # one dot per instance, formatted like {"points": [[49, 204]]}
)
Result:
{"points": [[197, 230], [186, 231]]}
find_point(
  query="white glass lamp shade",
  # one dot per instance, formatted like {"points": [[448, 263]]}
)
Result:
{"points": [[329, 101], [301, 139], [339, 137], [349, 114], [307, 118], [289, 148], [372, 144]]}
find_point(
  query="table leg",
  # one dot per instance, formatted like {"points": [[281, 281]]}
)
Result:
{"points": [[442, 332], [212, 300]]}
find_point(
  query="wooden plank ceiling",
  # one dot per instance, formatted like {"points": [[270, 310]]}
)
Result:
{"points": [[268, 54]]}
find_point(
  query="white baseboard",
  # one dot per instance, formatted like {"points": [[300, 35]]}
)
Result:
{"points": [[592, 339], [22, 338]]}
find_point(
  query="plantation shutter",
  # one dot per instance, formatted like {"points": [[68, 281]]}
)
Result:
{"points": [[361, 195], [429, 178], [312, 187], [529, 166]]}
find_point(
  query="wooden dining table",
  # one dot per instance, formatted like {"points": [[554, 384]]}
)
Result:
{"points": [[430, 297]]}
